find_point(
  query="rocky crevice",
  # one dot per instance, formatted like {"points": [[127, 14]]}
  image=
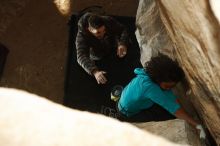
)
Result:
{"points": [[189, 33]]}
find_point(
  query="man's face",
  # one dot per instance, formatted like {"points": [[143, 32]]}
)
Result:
{"points": [[167, 85], [97, 32]]}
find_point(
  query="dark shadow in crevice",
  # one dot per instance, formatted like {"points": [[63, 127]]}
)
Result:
{"points": [[3, 56]]}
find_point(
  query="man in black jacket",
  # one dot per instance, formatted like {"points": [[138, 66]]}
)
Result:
{"points": [[98, 38]]}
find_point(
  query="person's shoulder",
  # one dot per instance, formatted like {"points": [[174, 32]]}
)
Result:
{"points": [[140, 71], [86, 15], [83, 21], [84, 18], [143, 76]]}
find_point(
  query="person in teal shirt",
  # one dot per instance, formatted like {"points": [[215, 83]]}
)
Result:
{"points": [[152, 88], [141, 93]]}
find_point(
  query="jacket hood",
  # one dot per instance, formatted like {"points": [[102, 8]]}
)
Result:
{"points": [[140, 71], [83, 22]]}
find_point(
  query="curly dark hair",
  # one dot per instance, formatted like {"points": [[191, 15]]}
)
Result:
{"points": [[96, 21], [163, 69]]}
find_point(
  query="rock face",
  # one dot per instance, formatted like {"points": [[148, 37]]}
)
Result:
{"points": [[191, 28], [215, 6], [177, 131], [151, 33], [29, 120]]}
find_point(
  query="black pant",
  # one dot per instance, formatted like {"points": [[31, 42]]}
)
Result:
{"points": [[155, 113]]}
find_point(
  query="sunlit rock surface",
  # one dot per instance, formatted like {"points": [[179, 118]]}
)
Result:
{"points": [[215, 7], [189, 32], [151, 33], [177, 131], [29, 120]]}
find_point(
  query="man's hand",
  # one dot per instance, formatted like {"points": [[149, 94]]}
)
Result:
{"points": [[99, 76], [121, 51]]}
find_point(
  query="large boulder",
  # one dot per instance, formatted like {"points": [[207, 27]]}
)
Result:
{"points": [[187, 31], [29, 120], [151, 33], [176, 130]]}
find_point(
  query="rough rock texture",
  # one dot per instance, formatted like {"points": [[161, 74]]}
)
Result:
{"points": [[36, 34], [215, 7], [30, 120], [6, 13], [194, 32], [177, 131], [151, 33]]}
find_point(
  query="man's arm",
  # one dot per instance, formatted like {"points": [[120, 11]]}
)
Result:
{"points": [[82, 50], [121, 35], [120, 31], [84, 60], [124, 37], [170, 102], [181, 114]]}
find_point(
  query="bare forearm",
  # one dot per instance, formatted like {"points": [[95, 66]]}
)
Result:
{"points": [[181, 114]]}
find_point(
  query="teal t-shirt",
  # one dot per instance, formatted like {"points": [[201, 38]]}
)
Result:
{"points": [[141, 93]]}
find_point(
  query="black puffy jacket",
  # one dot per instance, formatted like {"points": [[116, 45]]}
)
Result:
{"points": [[89, 47]]}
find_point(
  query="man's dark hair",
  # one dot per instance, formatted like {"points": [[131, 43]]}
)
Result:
{"points": [[95, 21], [163, 69]]}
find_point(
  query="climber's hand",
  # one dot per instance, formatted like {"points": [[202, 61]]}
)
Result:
{"points": [[201, 130]]}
